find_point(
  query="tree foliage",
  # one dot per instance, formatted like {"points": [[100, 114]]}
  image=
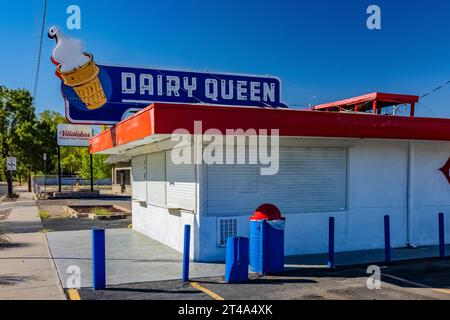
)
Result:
{"points": [[26, 136], [18, 135]]}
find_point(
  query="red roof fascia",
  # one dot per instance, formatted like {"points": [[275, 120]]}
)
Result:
{"points": [[131, 129], [166, 118]]}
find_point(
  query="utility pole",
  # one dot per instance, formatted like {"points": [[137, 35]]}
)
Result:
{"points": [[41, 38]]}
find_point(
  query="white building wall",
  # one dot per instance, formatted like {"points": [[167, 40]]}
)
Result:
{"points": [[377, 185], [164, 226], [153, 215], [430, 192]]}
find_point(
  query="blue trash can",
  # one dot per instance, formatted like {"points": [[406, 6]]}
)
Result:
{"points": [[267, 240], [236, 267]]}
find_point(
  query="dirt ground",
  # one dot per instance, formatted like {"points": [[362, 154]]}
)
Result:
{"points": [[54, 218]]}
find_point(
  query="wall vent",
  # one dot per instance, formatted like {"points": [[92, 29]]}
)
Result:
{"points": [[226, 227]]}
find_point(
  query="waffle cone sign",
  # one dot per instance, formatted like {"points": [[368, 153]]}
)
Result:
{"points": [[86, 83]]}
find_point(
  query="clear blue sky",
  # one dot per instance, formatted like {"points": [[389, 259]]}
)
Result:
{"points": [[321, 50]]}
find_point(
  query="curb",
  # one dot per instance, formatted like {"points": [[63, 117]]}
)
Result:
{"points": [[366, 264]]}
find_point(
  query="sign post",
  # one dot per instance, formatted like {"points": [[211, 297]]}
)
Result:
{"points": [[59, 169], [44, 157], [91, 169], [11, 165]]}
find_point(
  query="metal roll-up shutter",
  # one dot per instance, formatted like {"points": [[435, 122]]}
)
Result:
{"points": [[138, 171], [308, 180], [156, 176], [180, 184], [312, 179]]}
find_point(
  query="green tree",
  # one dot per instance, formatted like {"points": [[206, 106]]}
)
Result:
{"points": [[27, 137], [18, 136], [101, 169], [71, 160], [46, 128]]}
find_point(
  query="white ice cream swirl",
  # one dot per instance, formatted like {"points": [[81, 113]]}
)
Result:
{"points": [[68, 53]]}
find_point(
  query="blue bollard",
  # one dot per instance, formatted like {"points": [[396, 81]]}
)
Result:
{"points": [[237, 260], [331, 243], [186, 249], [98, 259], [387, 239], [441, 235]]}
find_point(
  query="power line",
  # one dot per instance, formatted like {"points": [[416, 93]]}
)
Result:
{"points": [[41, 40], [421, 103], [435, 89]]}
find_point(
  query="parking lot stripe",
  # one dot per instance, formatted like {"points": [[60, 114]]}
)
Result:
{"points": [[214, 295], [447, 291], [73, 294]]}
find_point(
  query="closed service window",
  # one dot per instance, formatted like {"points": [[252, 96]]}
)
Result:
{"points": [[308, 180], [168, 184]]}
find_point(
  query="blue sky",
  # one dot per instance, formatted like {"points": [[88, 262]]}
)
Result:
{"points": [[321, 50]]}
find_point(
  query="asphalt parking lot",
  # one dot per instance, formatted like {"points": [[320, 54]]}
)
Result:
{"points": [[418, 280]]}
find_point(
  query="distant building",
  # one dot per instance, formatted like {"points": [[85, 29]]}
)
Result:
{"points": [[121, 173]]}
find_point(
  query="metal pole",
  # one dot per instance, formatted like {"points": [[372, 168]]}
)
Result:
{"points": [[10, 185], [387, 239], [92, 174], [45, 175], [331, 243], [59, 168], [186, 249], [98, 259], [441, 235]]}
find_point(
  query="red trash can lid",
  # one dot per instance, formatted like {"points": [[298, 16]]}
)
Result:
{"points": [[267, 211]]}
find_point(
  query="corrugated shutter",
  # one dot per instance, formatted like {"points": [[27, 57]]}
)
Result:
{"points": [[308, 180], [180, 184], [138, 170], [156, 173]]}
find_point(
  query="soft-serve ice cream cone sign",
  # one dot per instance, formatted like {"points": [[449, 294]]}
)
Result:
{"points": [[102, 94], [77, 70]]}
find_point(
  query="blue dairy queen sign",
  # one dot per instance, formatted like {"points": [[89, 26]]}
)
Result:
{"points": [[127, 90], [102, 94]]}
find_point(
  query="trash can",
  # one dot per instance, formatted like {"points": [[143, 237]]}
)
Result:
{"points": [[236, 267], [267, 240]]}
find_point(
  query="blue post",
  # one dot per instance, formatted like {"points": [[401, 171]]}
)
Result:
{"points": [[387, 239], [187, 245], [237, 260], [331, 243], [98, 259], [441, 235]]}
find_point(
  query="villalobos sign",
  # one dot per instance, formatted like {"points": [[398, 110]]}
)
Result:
{"points": [[70, 135], [104, 94]]}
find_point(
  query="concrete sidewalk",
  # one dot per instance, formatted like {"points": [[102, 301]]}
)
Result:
{"points": [[27, 270], [130, 257]]}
